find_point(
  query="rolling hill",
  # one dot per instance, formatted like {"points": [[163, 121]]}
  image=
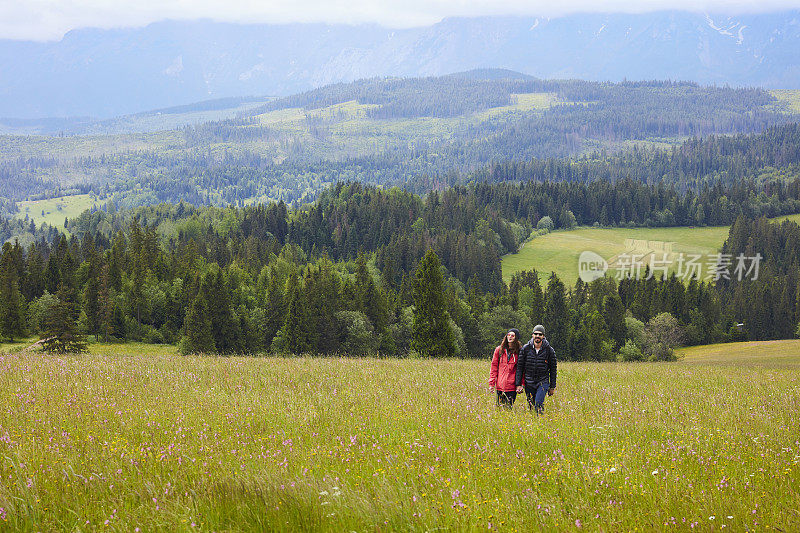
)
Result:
{"points": [[106, 73], [421, 133]]}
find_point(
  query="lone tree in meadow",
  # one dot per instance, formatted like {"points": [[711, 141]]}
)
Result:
{"points": [[431, 333]]}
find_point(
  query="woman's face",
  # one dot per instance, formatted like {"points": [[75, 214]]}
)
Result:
{"points": [[511, 336]]}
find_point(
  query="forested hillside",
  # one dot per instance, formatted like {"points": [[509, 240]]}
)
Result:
{"points": [[352, 272], [422, 134]]}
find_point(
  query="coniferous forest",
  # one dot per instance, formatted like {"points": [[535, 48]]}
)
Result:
{"points": [[367, 270]]}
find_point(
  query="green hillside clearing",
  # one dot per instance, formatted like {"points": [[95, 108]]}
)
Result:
{"points": [[788, 100], [766, 353], [54, 210], [559, 251]]}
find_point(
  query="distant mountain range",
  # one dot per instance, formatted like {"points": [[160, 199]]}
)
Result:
{"points": [[107, 73]]}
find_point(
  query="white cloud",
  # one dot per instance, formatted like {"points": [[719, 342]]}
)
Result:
{"points": [[50, 19]]}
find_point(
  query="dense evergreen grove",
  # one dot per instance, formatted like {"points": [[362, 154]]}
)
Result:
{"points": [[768, 306], [774, 153], [366, 270]]}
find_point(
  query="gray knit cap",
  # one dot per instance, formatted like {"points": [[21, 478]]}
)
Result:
{"points": [[538, 328]]}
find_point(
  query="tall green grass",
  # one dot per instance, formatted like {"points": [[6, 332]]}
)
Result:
{"points": [[169, 443], [784, 352]]}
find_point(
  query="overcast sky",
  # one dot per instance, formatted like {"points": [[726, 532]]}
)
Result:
{"points": [[50, 19]]}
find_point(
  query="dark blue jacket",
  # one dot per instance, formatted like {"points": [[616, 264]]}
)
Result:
{"points": [[536, 368]]}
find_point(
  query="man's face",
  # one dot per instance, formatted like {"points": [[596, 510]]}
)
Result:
{"points": [[537, 338]]}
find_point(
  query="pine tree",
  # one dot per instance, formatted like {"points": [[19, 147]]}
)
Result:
{"points": [[297, 331], [556, 314], [614, 315], [12, 305], [431, 333], [91, 295], [224, 325], [197, 337]]}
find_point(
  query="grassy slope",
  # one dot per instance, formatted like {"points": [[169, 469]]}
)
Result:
{"points": [[14, 147], [56, 209], [17, 345], [766, 353], [175, 443], [793, 218], [161, 121], [788, 100], [558, 251], [99, 348], [351, 131]]}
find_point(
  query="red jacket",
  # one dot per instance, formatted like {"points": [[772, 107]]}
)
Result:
{"points": [[503, 373]]}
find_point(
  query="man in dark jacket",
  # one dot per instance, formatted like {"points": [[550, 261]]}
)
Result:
{"points": [[537, 365]]}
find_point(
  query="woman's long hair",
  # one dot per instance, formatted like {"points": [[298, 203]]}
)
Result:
{"points": [[513, 347]]}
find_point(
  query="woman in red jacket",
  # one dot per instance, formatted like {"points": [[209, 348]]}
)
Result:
{"points": [[502, 374]]}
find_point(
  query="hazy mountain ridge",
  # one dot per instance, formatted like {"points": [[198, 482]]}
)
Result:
{"points": [[107, 73]]}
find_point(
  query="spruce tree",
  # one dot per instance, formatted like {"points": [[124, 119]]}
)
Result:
{"points": [[197, 337], [322, 290], [105, 304], [91, 296], [274, 309], [430, 331], [12, 305], [224, 325], [556, 315], [614, 314], [296, 333]]}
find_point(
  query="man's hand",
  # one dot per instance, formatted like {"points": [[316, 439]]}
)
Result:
{"points": [[551, 391], [520, 388]]}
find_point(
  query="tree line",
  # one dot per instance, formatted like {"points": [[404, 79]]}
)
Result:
{"points": [[367, 270]]}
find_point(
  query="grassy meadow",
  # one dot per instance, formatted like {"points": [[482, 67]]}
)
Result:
{"points": [[158, 442], [764, 353], [788, 100], [558, 251], [53, 211]]}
